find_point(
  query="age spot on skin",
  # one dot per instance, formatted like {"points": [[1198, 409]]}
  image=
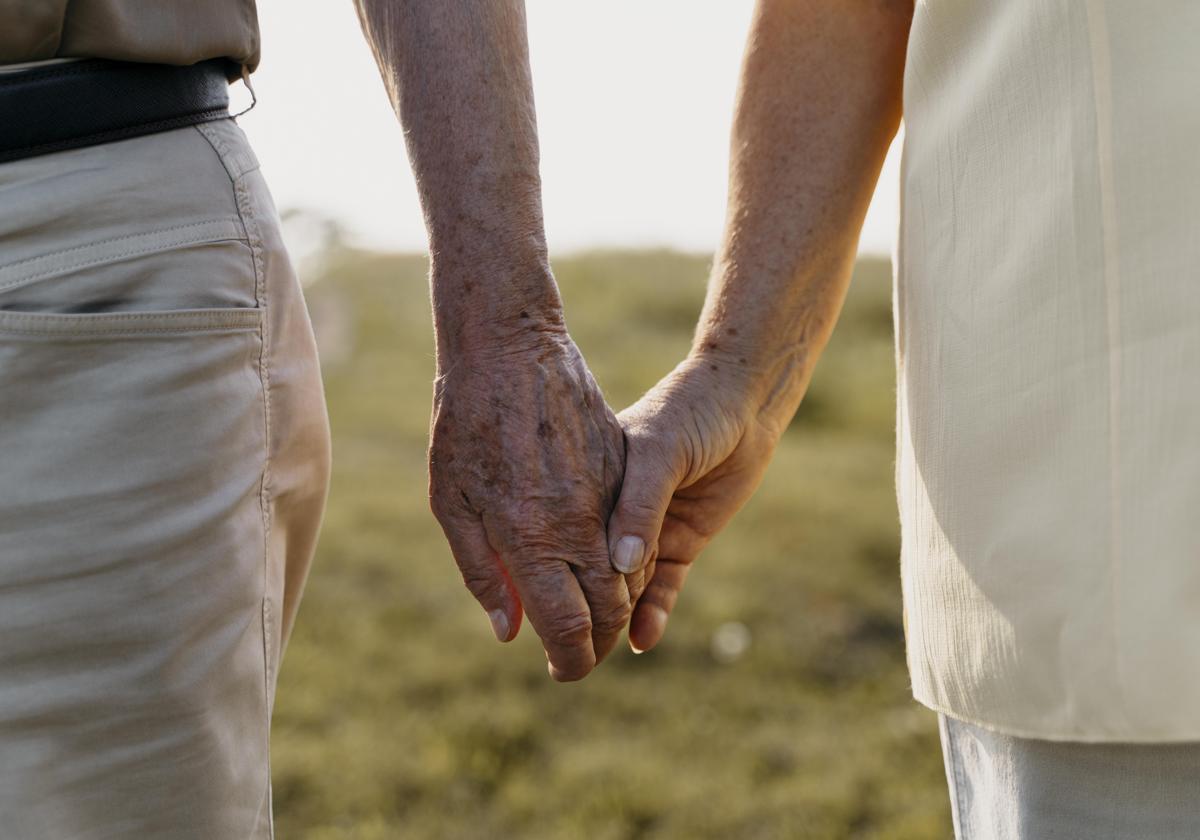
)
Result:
{"points": [[524, 314], [711, 345], [732, 331]]}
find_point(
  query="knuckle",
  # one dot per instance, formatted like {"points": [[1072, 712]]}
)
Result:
{"points": [[480, 585], [553, 507], [565, 536], [569, 630], [448, 515], [443, 500], [640, 509], [540, 546], [608, 598], [637, 585], [658, 454], [611, 618], [649, 434], [438, 506]]}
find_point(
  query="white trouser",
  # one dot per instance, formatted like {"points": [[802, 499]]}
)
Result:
{"points": [[1007, 788]]}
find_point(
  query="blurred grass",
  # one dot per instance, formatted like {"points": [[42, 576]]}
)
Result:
{"points": [[398, 716]]}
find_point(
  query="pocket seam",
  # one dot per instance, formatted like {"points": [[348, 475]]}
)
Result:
{"points": [[222, 229], [130, 323]]}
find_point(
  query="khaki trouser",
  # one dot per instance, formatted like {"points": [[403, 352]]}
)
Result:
{"points": [[164, 462]]}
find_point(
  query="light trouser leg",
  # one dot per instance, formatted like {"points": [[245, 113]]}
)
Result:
{"points": [[1007, 788], [164, 461]]}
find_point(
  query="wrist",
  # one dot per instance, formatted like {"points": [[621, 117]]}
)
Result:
{"points": [[488, 312], [769, 382]]}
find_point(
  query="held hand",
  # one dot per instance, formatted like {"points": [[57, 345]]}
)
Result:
{"points": [[525, 462], [697, 446]]}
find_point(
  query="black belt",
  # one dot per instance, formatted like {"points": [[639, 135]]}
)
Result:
{"points": [[81, 103]]}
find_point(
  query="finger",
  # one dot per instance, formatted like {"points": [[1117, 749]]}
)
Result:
{"points": [[483, 573], [636, 582], [650, 481], [608, 599], [559, 613], [654, 607]]}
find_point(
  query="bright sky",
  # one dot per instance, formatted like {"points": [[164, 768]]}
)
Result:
{"points": [[634, 101]]}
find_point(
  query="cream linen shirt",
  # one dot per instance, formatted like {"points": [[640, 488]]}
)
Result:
{"points": [[1048, 350]]}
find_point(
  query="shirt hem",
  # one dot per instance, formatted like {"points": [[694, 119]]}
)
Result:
{"points": [[1077, 736]]}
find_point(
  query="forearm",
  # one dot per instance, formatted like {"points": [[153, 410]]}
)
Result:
{"points": [[818, 105], [458, 76]]}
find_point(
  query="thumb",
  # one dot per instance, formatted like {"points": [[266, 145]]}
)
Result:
{"points": [[650, 482]]}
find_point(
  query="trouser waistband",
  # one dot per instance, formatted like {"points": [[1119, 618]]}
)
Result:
{"points": [[82, 103]]}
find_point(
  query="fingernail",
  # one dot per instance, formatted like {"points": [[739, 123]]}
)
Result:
{"points": [[499, 624], [649, 624], [628, 556]]}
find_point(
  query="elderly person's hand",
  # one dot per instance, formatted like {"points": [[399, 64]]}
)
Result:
{"points": [[696, 445], [525, 457], [525, 462]]}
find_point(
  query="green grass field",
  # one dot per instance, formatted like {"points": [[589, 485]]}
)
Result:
{"points": [[398, 716]]}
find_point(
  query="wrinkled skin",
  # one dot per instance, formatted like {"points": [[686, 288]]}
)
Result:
{"points": [[525, 457], [525, 462], [697, 445], [800, 182]]}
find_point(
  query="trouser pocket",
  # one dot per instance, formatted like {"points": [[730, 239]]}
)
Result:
{"points": [[164, 459], [132, 546]]}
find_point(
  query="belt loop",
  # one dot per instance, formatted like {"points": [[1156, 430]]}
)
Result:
{"points": [[249, 87]]}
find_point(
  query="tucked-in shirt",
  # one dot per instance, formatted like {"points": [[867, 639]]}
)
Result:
{"points": [[1048, 349], [159, 31]]}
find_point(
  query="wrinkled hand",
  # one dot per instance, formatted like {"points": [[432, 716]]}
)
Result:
{"points": [[697, 445], [525, 462]]}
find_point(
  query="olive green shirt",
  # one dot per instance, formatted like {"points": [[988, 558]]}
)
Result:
{"points": [[159, 31]]}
